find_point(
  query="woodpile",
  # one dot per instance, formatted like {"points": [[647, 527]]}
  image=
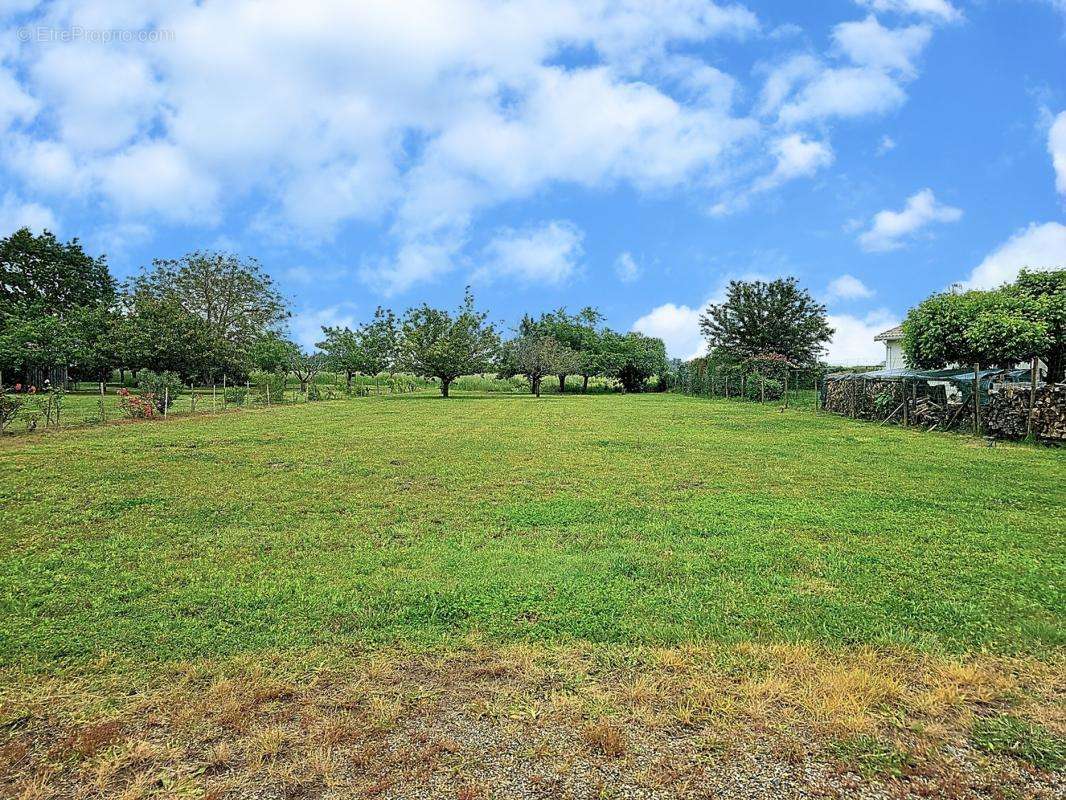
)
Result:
{"points": [[1007, 414]]}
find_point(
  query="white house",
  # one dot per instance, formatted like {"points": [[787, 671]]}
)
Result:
{"points": [[893, 339]]}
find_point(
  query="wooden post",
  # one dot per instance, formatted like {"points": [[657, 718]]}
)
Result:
{"points": [[976, 399], [268, 393], [786, 387], [192, 397], [214, 401], [1034, 374], [103, 410], [906, 406], [166, 400], [223, 391]]}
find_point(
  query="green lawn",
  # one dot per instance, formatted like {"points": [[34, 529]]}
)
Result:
{"points": [[654, 519]]}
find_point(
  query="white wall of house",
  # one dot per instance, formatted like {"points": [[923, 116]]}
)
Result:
{"points": [[894, 355]]}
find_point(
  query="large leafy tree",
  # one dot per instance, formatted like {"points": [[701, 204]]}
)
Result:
{"points": [[56, 305], [229, 302], [435, 343], [1046, 291], [995, 328], [370, 349], [41, 275], [536, 356], [767, 317], [579, 332], [633, 358]]}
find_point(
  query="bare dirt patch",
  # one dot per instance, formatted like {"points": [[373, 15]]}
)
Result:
{"points": [[532, 722]]}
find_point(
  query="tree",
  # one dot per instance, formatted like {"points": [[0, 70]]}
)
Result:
{"points": [[579, 332], [343, 350], [370, 349], [536, 356], [379, 340], [1047, 292], [633, 358], [41, 275], [305, 366], [992, 328], [272, 353], [767, 317], [230, 301], [435, 344]]}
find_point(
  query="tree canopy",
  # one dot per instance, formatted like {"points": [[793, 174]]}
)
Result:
{"points": [[759, 317], [41, 275], [997, 328], [434, 343], [536, 356]]}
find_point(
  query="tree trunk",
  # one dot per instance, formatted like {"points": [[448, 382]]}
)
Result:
{"points": [[562, 384], [585, 384], [444, 384], [536, 387], [348, 376], [303, 386]]}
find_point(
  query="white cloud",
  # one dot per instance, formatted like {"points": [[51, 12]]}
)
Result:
{"points": [[844, 92], [848, 287], [1039, 247], [545, 255], [306, 326], [677, 326], [869, 43], [307, 116], [16, 213], [795, 157], [890, 228], [886, 145], [626, 268], [940, 10], [1056, 145], [158, 178], [853, 338]]}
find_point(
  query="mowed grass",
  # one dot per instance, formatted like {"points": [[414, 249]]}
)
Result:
{"points": [[622, 519]]}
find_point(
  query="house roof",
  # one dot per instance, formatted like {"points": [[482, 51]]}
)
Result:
{"points": [[891, 335]]}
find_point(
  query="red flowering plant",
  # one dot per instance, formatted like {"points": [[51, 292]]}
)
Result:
{"points": [[134, 406]]}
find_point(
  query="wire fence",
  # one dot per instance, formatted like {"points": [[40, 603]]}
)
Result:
{"points": [[87, 404]]}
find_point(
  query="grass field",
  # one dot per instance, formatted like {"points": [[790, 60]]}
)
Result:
{"points": [[605, 568]]}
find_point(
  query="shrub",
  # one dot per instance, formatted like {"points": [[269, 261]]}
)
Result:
{"points": [[236, 395], [268, 384], [164, 387], [134, 406], [758, 387], [9, 408]]}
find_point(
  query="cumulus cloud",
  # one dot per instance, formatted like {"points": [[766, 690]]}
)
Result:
{"points": [[1056, 145], [546, 255], [1038, 247], [310, 116], [871, 44], [795, 157], [940, 10], [848, 287], [853, 338], [886, 145], [890, 228], [626, 268], [306, 326], [678, 327], [16, 213]]}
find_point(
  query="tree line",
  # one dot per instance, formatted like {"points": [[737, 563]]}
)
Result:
{"points": [[208, 315]]}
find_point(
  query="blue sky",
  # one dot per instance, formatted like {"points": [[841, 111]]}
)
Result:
{"points": [[628, 154]]}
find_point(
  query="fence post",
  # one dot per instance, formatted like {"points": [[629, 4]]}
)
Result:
{"points": [[223, 391], [268, 393], [976, 399], [192, 397], [786, 387], [906, 406], [166, 400], [1034, 373], [214, 402]]}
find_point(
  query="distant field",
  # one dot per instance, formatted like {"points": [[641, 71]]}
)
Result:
{"points": [[615, 527]]}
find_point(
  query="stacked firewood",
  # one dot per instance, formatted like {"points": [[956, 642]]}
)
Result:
{"points": [[1007, 414]]}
